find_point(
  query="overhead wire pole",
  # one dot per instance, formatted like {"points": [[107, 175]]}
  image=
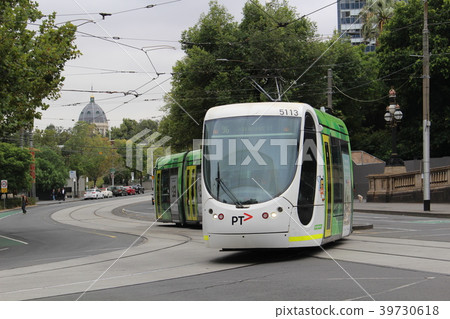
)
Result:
{"points": [[426, 112], [330, 88]]}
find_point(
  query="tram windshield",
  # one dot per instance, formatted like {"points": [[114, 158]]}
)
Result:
{"points": [[250, 159]]}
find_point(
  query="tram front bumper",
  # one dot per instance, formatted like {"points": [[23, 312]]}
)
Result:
{"points": [[258, 241]]}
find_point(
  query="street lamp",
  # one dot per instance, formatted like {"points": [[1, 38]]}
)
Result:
{"points": [[393, 117]]}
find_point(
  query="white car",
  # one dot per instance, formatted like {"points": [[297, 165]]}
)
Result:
{"points": [[93, 194], [106, 193]]}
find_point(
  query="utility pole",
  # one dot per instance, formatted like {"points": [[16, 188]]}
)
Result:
{"points": [[426, 112], [33, 163], [330, 89]]}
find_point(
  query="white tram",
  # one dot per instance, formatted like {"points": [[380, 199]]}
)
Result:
{"points": [[275, 175]]}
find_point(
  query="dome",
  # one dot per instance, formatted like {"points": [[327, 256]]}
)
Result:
{"points": [[93, 113]]}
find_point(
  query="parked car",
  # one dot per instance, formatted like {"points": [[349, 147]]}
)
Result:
{"points": [[130, 190], [107, 193], [118, 190], [139, 189], [93, 194]]}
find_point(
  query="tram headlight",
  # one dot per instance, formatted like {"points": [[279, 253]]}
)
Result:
{"points": [[273, 214], [265, 215], [221, 216]]}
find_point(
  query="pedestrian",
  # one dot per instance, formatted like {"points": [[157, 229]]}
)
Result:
{"points": [[54, 194], [63, 194], [24, 203], [58, 194]]}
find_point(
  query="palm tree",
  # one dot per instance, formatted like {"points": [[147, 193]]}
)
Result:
{"points": [[374, 16]]}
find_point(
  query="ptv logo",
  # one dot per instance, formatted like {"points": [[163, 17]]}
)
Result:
{"points": [[240, 219]]}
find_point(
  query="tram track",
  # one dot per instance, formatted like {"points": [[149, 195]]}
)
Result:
{"points": [[164, 254], [426, 256]]}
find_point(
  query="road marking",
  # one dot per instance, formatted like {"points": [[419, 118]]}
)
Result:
{"points": [[430, 222], [16, 240], [394, 289], [97, 233]]}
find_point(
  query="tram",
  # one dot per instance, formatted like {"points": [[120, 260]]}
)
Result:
{"points": [[275, 175], [177, 188]]}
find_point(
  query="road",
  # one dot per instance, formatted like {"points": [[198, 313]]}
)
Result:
{"points": [[401, 258]]}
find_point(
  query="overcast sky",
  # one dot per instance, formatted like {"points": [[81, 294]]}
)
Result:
{"points": [[107, 66]]}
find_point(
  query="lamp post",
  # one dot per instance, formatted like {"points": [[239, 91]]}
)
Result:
{"points": [[393, 117], [426, 110]]}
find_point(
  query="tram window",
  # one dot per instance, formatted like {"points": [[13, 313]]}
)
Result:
{"points": [[309, 171], [338, 170]]}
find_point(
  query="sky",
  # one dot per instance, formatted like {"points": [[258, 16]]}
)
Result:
{"points": [[130, 79]]}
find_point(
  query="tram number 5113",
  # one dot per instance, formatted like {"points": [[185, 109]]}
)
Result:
{"points": [[288, 112]]}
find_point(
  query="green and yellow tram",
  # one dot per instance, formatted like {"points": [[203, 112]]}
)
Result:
{"points": [[178, 188]]}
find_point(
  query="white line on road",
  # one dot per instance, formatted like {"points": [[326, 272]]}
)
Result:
{"points": [[16, 240]]}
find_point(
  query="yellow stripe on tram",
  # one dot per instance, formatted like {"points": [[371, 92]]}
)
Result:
{"points": [[304, 238]]}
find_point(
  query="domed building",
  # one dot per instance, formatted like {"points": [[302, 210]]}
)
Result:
{"points": [[93, 114]]}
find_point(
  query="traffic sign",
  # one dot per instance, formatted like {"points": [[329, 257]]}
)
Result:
{"points": [[4, 185]]}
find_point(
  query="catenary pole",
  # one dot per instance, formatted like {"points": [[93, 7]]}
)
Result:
{"points": [[426, 112]]}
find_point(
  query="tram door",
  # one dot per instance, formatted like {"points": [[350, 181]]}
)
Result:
{"points": [[329, 186], [192, 193], [163, 212]]}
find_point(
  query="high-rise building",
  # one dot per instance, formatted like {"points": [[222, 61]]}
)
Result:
{"points": [[349, 22]]}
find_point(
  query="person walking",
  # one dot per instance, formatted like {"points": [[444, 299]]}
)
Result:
{"points": [[63, 194], [24, 203], [54, 194]]}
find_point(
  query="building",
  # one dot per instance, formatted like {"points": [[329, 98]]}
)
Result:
{"points": [[93, 114], [348, 21]]}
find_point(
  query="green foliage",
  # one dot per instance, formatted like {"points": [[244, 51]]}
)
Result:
{"points": [[15, 167], [51, 171], [271, 46], [374, 16], [89, 153], [401, 40], [16, 202], [225, 59], [52, 137], [130, 128], [31, 62]]}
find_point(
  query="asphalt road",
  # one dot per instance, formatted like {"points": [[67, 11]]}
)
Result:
{"points": [[35, 238], [401, 258]]}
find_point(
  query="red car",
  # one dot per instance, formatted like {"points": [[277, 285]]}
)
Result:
{"points": [[130, 190]]}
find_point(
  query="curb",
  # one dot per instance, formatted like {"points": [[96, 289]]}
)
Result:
{"points": [[362, 227], [416, 214]]}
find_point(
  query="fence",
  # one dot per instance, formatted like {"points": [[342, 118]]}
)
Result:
{"points": [[408, 187]]}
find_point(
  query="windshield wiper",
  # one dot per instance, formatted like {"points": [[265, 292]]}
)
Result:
{"points": [[227, 191]]}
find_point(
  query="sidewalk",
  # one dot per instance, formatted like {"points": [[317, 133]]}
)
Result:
{"points": [[50, 202], [39, 203], [439, 210]]}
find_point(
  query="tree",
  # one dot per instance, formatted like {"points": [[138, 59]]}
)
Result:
{"points": [[52, 137], [89, 153], [51, 171], [31, 62], [224, 59], [357, 92], [130, 128], [401, 66], [15, 167], [374, 16]]}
